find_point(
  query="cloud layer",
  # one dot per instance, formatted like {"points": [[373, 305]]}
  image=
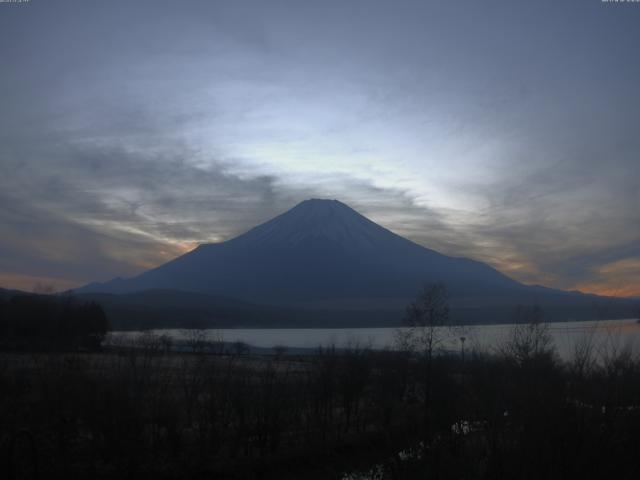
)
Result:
{"points": [[507, 133]]}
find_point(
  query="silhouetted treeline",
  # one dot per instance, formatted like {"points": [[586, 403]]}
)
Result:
{"points": [[47, 322], [147, 412]]}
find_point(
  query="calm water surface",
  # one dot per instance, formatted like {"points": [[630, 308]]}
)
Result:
{"points": [[604, 336]]}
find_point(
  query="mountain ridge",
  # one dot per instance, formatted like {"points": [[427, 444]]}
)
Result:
{"points": [[319, 249], [321, 263]]}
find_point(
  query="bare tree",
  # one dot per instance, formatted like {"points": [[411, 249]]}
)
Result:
{"points": [[197, 340], [530, 337], [167, 343], [426, 318]]}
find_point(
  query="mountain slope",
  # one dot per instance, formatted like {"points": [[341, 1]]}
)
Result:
{"points": [[319, 251]]}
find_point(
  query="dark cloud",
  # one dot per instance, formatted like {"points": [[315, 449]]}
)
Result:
{"points": [[81, 212], [504, 131]]}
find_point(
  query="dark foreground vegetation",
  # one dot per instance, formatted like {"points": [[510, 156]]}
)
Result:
{"points": [[47, 322], [143, 411]]}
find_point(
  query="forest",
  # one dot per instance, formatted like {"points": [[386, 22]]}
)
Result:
{"points": [[50, 322], [144, 409]]}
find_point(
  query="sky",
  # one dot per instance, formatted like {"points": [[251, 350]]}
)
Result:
{"points": [[504, 131]]}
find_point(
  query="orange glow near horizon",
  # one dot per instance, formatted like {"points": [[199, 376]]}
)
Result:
{"points": [[609, 290], [140, 261], [164, 254], [616, 279], [34, 283]]}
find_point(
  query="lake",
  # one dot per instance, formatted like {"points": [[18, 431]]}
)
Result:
{"points": [[604, 335]]}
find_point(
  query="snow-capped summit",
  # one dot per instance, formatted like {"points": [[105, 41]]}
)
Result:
{"points": [[319, 219]]}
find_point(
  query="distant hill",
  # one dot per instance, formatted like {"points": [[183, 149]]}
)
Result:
{"points": [[325, 261], [181, 309]]}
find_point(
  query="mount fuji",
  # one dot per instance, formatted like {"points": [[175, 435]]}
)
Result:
{"points": [[322, 254], [320, 250]]}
